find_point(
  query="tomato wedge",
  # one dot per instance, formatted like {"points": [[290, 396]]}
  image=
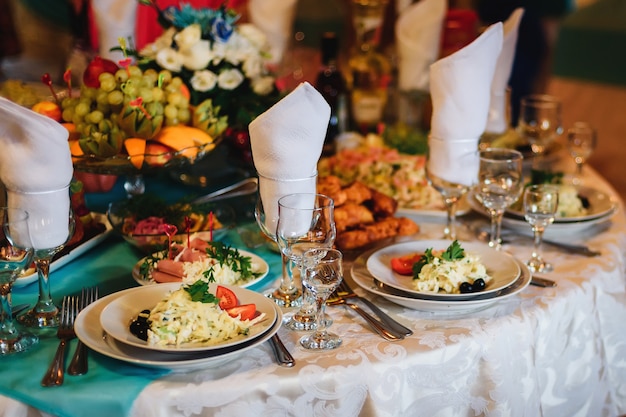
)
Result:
{"points": [[403, 265], [228, 299], [244, 311]]}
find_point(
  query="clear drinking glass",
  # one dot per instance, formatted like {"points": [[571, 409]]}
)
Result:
{"points": [[305, 221], [51, 223], [266, 213], [581, 142], [16, 253], [500, 183], [539, 123], [321, 273], [540, 205]]}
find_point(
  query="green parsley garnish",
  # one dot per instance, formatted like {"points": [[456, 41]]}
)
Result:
{"points": [[199, 291], [231, 257], [452, 253]]}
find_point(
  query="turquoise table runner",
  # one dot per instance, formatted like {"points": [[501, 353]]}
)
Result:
{"points": [[110, 386]]}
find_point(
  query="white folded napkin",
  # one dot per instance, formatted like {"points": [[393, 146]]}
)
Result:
{"points": [[275, 19], [36, 169], [286, 143], [418, 41], [115, 19], [497, 120], [460, 87]]}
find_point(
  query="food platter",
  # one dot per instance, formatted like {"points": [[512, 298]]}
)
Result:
{"points": [[501, 266], [31, 275], [119, 313], [264, 268], [361, 276], [91, 333]]}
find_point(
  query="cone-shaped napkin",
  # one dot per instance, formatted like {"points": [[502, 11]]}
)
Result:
{"points": [[115, 19], [286, 143], [275, 19], [497, 121], [36, 168], [460, 87], [418, 35]]}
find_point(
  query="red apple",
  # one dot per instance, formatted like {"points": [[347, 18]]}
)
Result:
{"points": [[157, 154], [96, 67], [48, 108]]}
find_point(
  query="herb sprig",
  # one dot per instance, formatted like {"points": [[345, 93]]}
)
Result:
{"points": [[199, 291], [452, 253], [231, 257]]}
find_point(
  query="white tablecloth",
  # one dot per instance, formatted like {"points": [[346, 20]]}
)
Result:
{"points": [[545, 352]]}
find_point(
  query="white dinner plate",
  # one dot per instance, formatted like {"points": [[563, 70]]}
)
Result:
{"points": [[362, 277], [501, 266], [119, 313], [91, 333], [264, 268], [31, 274], [600, 205]]}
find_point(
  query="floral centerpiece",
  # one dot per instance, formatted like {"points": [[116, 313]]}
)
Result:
{"points": [[217, 59]]}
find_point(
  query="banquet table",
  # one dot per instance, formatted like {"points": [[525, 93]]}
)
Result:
{"points": [[544, 352]]}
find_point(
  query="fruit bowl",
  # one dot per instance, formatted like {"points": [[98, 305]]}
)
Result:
{"points": [[143, 228]]}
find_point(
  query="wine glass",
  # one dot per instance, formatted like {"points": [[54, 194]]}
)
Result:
{"points": [[266, 214], [322, 272], [451, 194], [500, 183], [51, 223], [581, 141], [539, 123], [540, 204], [16, 253], [305, 221]]}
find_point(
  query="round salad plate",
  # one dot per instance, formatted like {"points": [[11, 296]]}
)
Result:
{"points": [[116, 317], [91, 333], [262, 268], [599, 205], [500, 266], [362, 277]]}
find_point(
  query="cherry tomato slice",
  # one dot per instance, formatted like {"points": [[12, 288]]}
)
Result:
{"points": [[228, 299], [403, 265], [244, 311]]}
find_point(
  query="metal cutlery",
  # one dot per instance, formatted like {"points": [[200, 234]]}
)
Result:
{"points": [[377, 326], [344, 291], [55, 373], [243, 187], [542, 282], [283, 357], [78, 364]]}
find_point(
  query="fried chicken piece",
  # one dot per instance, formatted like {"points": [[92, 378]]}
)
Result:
{"points": [[358, 193], [330, 186], [382, 205], [383, 229], [350, 215]]}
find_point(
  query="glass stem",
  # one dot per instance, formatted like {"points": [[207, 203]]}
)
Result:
{"points": [[320, 311], [7, 327], [538, 237], [286, 280], [450, 230], [579, 169], [496, 226], [44, 303]]}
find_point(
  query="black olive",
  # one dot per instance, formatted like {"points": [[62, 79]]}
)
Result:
{"points": [[466, 288], [139, 327], [479, 284]]}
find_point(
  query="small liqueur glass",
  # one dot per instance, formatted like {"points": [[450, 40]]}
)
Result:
{"points": [[540, 205], [321, 273], [581, 142], [540, 124]]}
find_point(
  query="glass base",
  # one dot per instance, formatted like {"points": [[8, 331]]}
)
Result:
{"points": [[39, 319], [302, 321], [23, 341], [285, 299], [539, 265], [322, 341]]}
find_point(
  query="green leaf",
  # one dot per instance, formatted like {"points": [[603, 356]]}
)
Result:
{"points": [[454, 252], [199, 291]]}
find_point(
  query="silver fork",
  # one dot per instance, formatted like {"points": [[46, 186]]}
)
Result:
{"points": [[79, 364], [55, 373]]}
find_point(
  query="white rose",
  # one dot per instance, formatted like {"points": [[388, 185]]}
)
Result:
{"points": [[198, 56], [263, 85], [253, 67], [162, 42], [203, 80], [169, 59], [253, 34], [188, 37], [230, 79]]}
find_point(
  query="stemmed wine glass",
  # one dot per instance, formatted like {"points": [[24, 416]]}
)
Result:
{"points": [[51, 223], [540, 205], [266, 214], [322, 272], [305, 221], [16, 253], [539, 123], [581, 141], [500, 183]]}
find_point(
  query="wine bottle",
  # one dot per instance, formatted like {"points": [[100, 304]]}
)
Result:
{"points": [[332, 86]]}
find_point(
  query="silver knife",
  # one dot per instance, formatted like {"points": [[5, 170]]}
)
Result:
{"points": [[283, 356]]}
